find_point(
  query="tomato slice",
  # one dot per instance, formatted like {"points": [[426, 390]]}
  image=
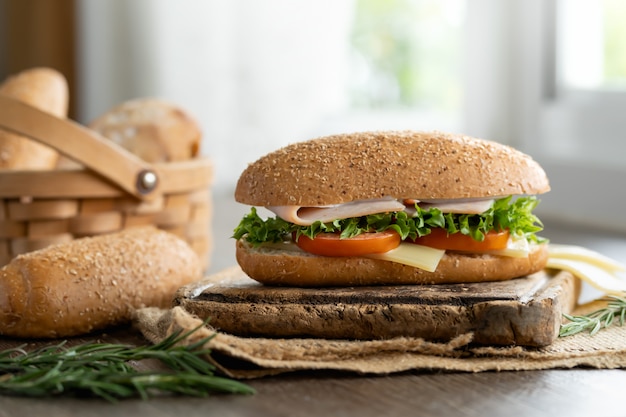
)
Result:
{"points": [[440, 239], [330, 244]]}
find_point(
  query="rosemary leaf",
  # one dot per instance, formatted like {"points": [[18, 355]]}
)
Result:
{"points": [[105, 370], [596, 320]]}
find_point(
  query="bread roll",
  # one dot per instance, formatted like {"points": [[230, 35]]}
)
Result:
{"points": [[153, 129], [404, 164], [47, 90], [301, 269], [92, 283]]}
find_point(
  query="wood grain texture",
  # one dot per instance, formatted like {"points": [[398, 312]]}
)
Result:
{"points": [[525, 311]]}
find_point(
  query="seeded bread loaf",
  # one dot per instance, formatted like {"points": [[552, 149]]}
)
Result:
{"points": [[92, 283]]}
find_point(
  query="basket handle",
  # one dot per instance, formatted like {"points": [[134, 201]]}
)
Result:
{"points": [[84, 145]]}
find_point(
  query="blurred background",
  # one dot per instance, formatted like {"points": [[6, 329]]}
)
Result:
{"points": [[546, 76]]}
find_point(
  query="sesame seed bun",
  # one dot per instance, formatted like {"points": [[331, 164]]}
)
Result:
{"points": [[401, 164], [273, 266]]}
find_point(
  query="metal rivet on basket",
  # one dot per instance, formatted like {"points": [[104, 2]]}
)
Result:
{"points": [[146, 181]]}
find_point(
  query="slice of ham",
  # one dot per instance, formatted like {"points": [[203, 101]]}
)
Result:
{"points": [[306, 216]]}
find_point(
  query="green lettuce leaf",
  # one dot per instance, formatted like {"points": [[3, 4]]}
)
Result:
{"points": [[505, 214]]}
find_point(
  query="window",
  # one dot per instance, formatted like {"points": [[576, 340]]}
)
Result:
{"points": [[405, 65], [560, 98], [407, 53], [586, 93], [593, 58]]}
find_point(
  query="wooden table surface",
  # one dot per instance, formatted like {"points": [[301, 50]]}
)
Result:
{"points": [[576, 392], [569, 393]]}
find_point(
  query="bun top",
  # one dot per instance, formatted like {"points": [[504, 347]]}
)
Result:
{"points": [[401, 164]]}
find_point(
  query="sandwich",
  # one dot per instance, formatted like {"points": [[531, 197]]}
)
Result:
{"points": [[378, 235], [390, 208]]}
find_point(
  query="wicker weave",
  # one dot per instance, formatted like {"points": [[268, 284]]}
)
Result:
{"points": [[40, 208]]}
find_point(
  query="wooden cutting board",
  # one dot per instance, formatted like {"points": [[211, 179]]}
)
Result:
{"points": [[525, 311]]}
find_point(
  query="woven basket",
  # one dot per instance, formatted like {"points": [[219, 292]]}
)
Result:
{"points": [[116, 190]]}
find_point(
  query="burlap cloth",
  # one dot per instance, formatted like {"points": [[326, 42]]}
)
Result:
{"points": [[240, 357]]}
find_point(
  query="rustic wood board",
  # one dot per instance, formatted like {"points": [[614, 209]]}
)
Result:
{"points": [[525, 311]]}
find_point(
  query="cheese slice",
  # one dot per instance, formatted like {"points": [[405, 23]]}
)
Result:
{"points": [[417, 256], [599, 271], [579, 253], [594, 275]]}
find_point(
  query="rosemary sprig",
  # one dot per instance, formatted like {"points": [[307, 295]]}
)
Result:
{"points": [[596, 320], [106, 370]]}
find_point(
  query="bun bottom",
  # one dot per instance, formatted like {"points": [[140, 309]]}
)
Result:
{"points": [[275, 266]]}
